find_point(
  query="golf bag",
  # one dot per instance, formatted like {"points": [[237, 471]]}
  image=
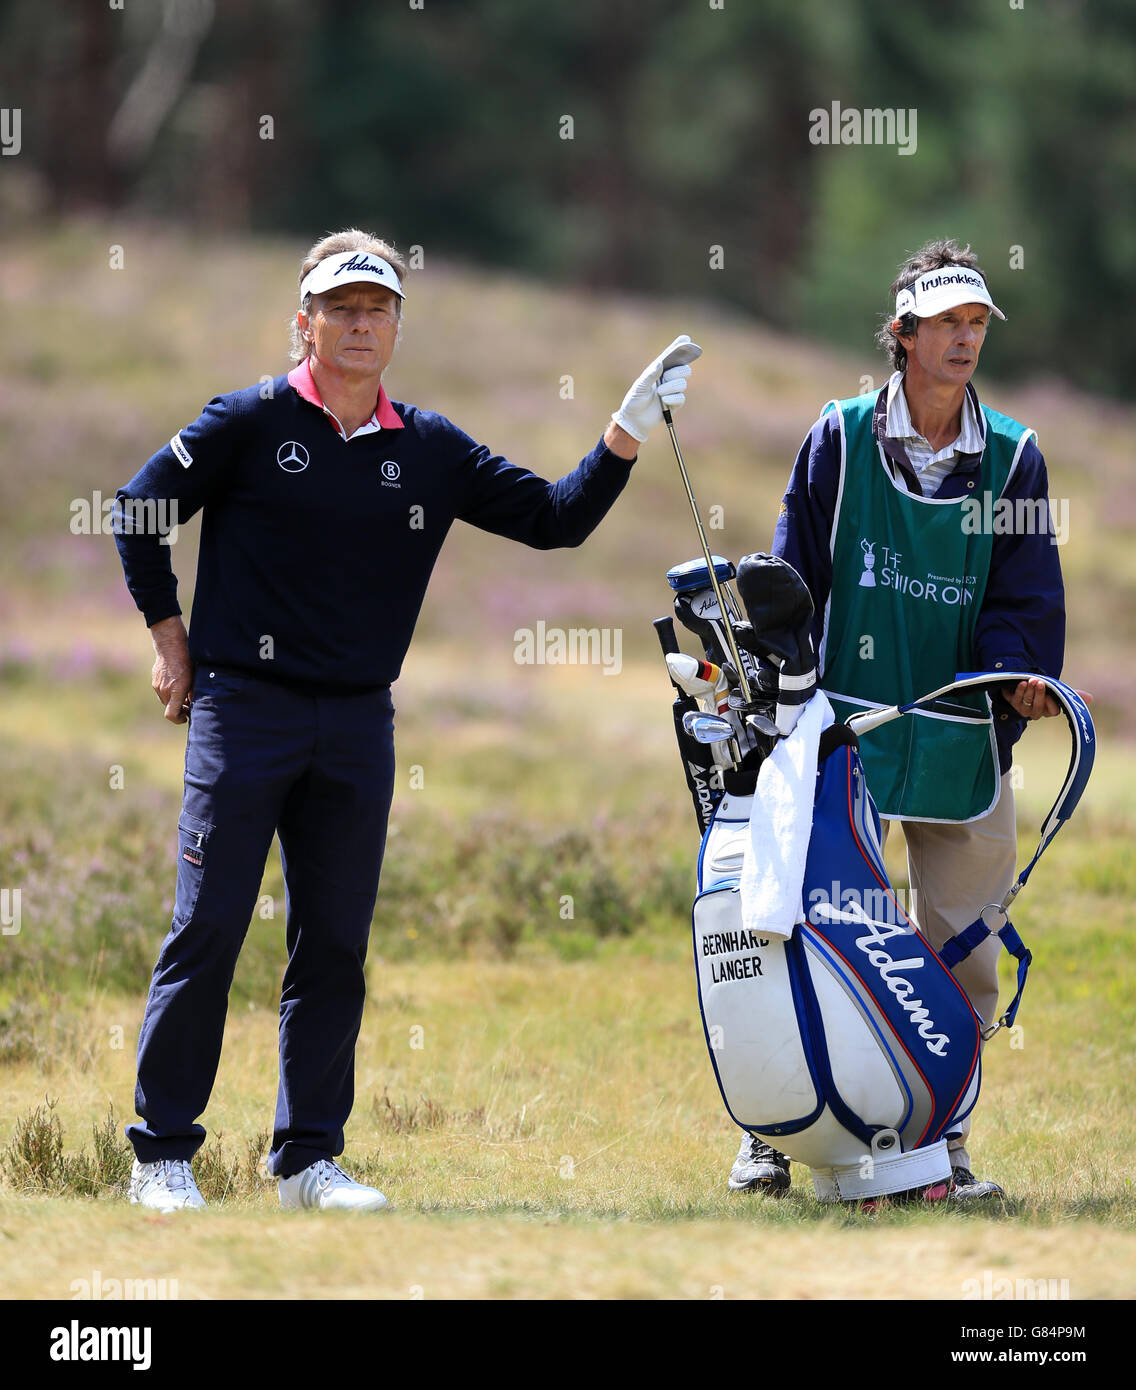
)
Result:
{"points": [[836, 1032]]}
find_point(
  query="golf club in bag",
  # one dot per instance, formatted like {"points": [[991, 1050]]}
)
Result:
{"points": [[837, 1034]]}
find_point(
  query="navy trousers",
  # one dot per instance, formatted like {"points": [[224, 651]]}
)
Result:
{"points": [[319, 771]]}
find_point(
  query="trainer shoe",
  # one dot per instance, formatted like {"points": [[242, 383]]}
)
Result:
{"points": [[167, 1185], [759, 1168], [326, 1186], [965, 1187]]}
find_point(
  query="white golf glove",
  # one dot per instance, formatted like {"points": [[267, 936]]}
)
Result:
{"points": [[662, 382]]}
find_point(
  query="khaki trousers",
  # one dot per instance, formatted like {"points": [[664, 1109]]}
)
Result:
{"points": [[954, 870]]}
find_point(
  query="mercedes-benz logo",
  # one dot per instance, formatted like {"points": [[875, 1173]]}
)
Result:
{"points": [[292, 457], [391, 470]]}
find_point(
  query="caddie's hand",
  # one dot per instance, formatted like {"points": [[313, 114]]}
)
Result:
{"points": [[662, 382], [1032, 700], [172, 675]]}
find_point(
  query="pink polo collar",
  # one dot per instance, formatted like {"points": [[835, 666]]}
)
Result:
{"points": [[385, 416]]}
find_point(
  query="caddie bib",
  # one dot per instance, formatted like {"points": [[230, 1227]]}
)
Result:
{"points": [[908, 578]]}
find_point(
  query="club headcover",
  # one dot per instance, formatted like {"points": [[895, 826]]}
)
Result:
{"points": [[693, 574], [699, 613], [780, 611]]}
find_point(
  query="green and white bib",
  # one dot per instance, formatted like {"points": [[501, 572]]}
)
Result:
{"points": [[908, 578]]}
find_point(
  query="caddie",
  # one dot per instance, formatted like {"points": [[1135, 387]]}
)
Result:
{"points": [[324, 507], [919, 519]]}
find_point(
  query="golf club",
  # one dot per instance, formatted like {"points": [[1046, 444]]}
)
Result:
{"points": [[693, 352]]}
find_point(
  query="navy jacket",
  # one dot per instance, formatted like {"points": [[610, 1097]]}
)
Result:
{"points": [[1021, 624], [324, 545]]}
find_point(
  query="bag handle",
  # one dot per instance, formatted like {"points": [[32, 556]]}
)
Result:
{"points": [[1081, 729]]}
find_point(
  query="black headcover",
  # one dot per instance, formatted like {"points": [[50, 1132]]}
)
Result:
{"points": [[778, 604], [780, 628]]}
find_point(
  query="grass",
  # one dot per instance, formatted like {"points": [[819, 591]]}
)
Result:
{"points": [[557, 1133]]}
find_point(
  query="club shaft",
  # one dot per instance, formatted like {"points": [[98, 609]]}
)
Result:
{"points": [[725, 612]]}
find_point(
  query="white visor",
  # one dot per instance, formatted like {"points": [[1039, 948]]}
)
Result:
{"points": [[943, 289], [349, 268]]}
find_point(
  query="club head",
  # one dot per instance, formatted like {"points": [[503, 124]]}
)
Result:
{"points": [[680, 354], [707, 728]]}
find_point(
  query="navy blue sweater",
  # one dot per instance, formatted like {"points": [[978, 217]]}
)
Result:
{"points": [[326, 545], [1021, 625]]}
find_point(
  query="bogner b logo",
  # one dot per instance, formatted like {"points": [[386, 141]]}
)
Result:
{"points": [[391, 470], [292, 457]]}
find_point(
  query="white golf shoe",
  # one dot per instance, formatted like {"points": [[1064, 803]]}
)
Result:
{"points": [[325, 1186], [164, 1186]]}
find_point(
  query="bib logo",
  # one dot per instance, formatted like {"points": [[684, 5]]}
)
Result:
{"points": [[952, 589], [292, 457], [868, 578]]}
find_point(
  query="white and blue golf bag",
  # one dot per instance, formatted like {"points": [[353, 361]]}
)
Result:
{"points": [[836, 1032]]}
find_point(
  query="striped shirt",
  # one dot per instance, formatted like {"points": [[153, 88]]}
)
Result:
{"points": [[930, 467]]}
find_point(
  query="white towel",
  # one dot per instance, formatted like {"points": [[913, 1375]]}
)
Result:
{"points": [[781, 822]]}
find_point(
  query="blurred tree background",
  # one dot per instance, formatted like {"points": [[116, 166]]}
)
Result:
{"points": [[657, 146]]}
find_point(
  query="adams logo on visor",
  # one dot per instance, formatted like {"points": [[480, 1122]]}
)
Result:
{"points": [[351, 267], [379, 268]]}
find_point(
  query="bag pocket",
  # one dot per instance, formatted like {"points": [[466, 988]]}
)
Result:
{"points": [[193, 849], [752, 1019]]}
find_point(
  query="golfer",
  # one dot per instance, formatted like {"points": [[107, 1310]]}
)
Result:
{"points": [[888, 517], [324, 506]]}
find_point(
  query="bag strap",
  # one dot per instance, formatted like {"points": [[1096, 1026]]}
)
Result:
{"points": [[1081, 729], [958, 947], [1080, 722]]}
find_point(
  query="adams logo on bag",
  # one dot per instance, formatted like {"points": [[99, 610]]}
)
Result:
{"points": [[871, 943]]}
